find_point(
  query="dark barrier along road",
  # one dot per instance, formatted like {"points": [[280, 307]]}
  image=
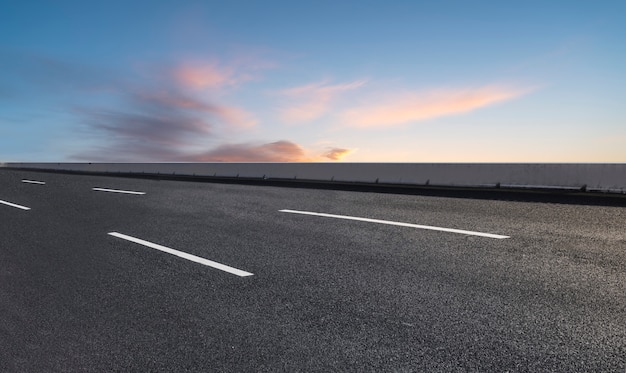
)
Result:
{"points": [[118, 274]]}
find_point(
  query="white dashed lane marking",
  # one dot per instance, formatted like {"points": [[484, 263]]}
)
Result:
{"points": [[184, 255], [14, 205], [117, 191], [34, 182], [428, 227]]}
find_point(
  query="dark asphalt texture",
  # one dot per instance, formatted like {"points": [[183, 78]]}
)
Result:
{"points": [[326, 294]]}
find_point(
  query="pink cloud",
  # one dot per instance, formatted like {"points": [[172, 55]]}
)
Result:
{"points": [[205, 75], [412, 106], [192, 77], [311, 101], [321, 88], [212, 75], [237, 117]]}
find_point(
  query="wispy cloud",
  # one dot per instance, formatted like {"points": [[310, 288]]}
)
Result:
{"points": [[169, 99], [166, 120], [167, 129], [311, 101], [278, 151], [415, 106], [173, 121], [230, 114], [148, 127], [157, 113]]}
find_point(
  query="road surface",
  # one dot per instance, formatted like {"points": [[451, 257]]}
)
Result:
{"points": [[120, 274]]}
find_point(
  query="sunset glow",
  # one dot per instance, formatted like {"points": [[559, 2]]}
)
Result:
{"points": [[321, 82]]}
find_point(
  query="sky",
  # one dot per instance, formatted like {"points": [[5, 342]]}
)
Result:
{"points": [[312, 81]]}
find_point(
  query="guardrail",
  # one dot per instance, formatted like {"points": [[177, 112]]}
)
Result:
{"points": [[593, 177]]}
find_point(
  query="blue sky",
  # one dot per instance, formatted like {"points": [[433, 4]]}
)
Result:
{"points": [[376, 81]]}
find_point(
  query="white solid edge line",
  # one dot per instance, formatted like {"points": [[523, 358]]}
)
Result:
{"points": [[34, 182], [451, 230], [117, 191], [14, 205], [184, 255]]}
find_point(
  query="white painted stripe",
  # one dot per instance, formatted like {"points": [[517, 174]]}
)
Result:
{"points": [[451, 230], [14, 205], [184, 255], [117, 191], [34, 182]]}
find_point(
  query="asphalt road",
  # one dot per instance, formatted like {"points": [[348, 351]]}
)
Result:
{"points": [[323, 293]]}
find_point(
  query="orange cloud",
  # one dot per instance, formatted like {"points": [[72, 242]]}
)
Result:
{"points": [[336, 154], [412, 107], [311, 101]]}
